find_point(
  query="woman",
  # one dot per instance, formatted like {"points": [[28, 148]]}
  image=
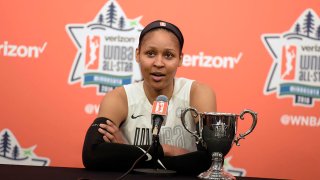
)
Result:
{"points": [[124, 120]]}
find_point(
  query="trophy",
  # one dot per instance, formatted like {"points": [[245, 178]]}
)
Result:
{"points": [[217, 132]]}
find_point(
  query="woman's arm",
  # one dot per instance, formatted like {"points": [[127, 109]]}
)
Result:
{"points": [[98, 154], [202, 98]]}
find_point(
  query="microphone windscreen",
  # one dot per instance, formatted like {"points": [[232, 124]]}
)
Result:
{"points": [[162, 98]]}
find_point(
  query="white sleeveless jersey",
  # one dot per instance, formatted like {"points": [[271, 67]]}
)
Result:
{"points": [[137, 127]]}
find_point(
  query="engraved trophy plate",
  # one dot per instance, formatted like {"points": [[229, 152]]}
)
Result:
{"points": [[217, 132]]}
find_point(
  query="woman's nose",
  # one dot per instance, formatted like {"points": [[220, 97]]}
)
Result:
{"points": [[158, 61]]}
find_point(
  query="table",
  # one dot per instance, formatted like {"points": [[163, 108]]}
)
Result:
{"points": [[21, 172]]}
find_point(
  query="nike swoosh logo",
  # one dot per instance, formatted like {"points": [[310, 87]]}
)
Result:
{"points": [[148, 155], [135, 117]]}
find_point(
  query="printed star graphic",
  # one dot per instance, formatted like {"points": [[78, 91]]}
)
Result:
{"points": [[274, 47], [227, 161], [135, 22], [29, 151]]}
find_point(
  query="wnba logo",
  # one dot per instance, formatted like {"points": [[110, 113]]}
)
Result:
{"points": [[288, 62], [105, 57], [160, 108], [295, 72], [92, 52]]}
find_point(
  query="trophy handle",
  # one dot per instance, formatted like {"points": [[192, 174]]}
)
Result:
{"points": [[195, 134], [253, 125]]}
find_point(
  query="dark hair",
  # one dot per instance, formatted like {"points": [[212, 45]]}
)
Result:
{"points": [[159, 24]]}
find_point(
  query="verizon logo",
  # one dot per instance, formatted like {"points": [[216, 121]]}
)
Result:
{"points": [[207, 61], [22, 51]]}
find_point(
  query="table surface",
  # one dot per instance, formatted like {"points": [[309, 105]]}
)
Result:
{"points": [[17, 172]]}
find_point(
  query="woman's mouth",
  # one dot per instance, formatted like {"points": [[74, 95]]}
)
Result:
{"points": [[157, 76]]}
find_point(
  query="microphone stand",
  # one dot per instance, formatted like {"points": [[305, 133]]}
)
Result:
{"points": [[155, 144], [155, 159]]}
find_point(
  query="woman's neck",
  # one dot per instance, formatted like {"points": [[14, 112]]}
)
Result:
{"points": [[152, 94]]}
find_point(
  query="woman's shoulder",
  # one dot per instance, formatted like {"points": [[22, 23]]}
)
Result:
{"points": [[117, 93], [203, 97], [127, 94], [196, 86], [116, 98], [114, 105], [199, 87]]}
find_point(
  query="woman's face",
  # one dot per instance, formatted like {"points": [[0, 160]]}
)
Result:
{"points": [[159, 57]]}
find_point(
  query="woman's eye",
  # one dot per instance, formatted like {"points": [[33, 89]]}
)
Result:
{"points": [[150, 53], [169, 55]]}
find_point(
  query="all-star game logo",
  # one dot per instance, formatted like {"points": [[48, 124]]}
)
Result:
{"points": [[233, 170], [12, 153], [295, 71], [106, 50]]}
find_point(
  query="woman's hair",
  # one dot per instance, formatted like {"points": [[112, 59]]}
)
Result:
{"points": [[159, 24]]}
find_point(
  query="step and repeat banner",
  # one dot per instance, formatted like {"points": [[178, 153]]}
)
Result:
{"points": [[58, 59]]}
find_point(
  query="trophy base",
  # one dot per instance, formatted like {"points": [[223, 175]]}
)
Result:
{"points": [[159, 172], [218, 175], [216, 172]]}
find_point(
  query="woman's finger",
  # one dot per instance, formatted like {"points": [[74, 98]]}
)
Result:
{"points": [[111, 138], [104, 126], [109, 123], [110, 132], [102, 131], [106, 134], [107, 128], [106, 139]]}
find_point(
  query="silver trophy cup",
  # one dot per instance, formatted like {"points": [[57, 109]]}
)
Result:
{"points": [[217, 132]]}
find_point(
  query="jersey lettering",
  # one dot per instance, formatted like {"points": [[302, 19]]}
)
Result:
{"points": [[142, 136]]}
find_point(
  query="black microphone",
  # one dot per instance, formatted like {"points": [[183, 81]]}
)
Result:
{"points": [[159, 113]]}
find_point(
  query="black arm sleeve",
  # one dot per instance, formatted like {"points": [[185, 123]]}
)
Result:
{"points": [[100, 155], [191, 163]]}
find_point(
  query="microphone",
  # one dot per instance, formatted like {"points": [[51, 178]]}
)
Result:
{"points": [[159, 113]]}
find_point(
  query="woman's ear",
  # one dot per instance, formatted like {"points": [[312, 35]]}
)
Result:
{"points": [[137, 55], [180, 59]]}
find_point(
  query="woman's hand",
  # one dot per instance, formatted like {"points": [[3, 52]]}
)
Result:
{"points": [[170, 150], [111, 133]]}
